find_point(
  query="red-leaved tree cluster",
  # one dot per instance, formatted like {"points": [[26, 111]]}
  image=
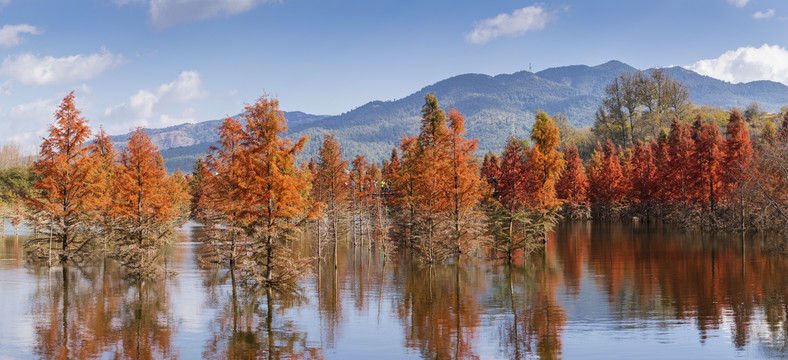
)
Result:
{"points": [[692, 167]]}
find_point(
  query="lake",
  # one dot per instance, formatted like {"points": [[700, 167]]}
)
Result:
{"points": [[596, 291]]}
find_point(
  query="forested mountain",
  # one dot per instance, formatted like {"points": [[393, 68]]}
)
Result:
{"points": [[495, 107]]}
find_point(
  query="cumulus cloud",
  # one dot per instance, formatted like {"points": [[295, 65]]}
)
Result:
{"points": [[10, 35], [186, 116], [517, 23], [142, 107], [747, 64], [30, 69], [166, 13], [738, 3], [5, 89], [27, 123], [763, 14]]}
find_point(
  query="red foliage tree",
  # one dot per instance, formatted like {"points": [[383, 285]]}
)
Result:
{"points": [[606, 183], [491, 168], [678, 175], [511, 188], [572, 184], [707, 160], [643, 174], [661, 156], [737, 151]]}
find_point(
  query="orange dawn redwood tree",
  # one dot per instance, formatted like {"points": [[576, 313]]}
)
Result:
{"points": [[331, 181], [220, 183], [265, 196], [525, 205], [431, 177], [403, 170], [546, 162], [146, 204], [104, 153], [465, 189], [66, 188], [506, 211], [359, 189]]}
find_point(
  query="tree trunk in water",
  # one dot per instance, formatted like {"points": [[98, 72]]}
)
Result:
{"points": [[268, 325], [65, 309]]}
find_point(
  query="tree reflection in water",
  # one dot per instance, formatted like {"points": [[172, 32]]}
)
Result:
{"points": [[533, 320], [654, 275], [88, 312], [439, 307], [252, 322], [635, 282]]}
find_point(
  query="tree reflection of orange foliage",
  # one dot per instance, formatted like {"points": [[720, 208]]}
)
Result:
{"points": [[440, 309], [684, 275], [88, 314], [529, 295], [249, 323]]}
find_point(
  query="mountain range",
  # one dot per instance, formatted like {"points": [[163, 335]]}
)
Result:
{"points": [[494, 107]]}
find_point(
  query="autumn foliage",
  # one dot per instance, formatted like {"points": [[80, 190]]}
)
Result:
{"points": [[259, 195], [88, 199], [431, 195], [66, 185], [145, 203], [525, 203], [436, 186]]}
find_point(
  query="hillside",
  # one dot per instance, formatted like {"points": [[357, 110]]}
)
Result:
{"points": [[495, 107]]}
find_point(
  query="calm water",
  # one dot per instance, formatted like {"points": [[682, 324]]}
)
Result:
{"points": [[622, 291]]}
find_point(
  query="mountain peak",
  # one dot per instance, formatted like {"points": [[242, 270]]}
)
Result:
{"points": [[615, 65]]}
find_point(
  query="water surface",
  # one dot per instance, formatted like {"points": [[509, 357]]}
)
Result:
{"points": [[596, 291]]}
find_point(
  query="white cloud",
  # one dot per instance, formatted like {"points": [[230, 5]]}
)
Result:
{"points": [[10, 34], [515, 24], [27, 123], [30, 69], [763, 14], [166, 13], [187, 116], [4, 2], [5, 89], [738, 3], [143, 106], [747, 64]]}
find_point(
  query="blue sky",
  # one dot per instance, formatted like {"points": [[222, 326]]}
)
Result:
{"points": [[163, 62]]}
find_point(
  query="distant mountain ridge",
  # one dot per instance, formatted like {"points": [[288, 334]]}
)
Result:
{"points": [[495, 107]]}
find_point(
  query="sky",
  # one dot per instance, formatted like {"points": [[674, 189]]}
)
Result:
{"points": [[157, 63]]}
